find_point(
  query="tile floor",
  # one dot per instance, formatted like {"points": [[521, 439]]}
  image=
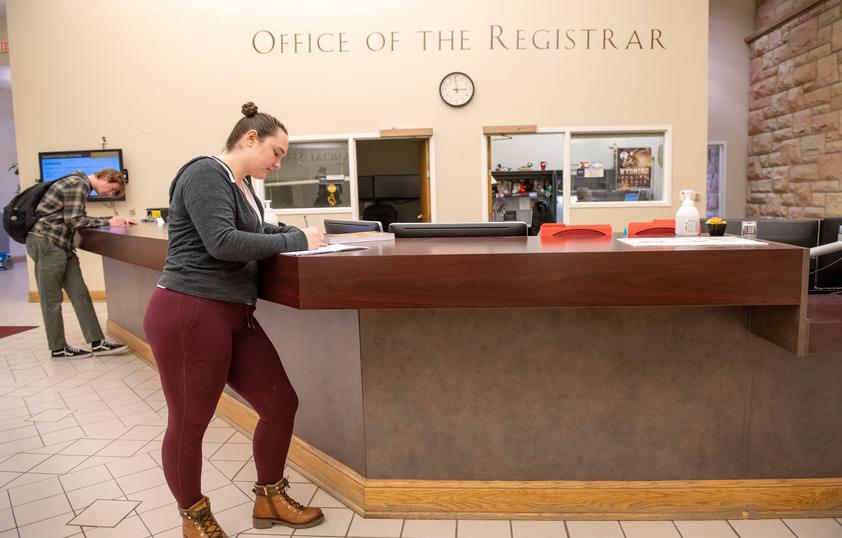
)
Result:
{"points": [[80, 457]]}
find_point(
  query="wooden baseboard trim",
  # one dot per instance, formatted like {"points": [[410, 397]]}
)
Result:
{"points": [[342, 483], [663, 500], [570, 500]]}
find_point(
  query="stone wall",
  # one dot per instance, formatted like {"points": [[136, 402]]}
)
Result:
{"points": [[795, 110], [714, 174]]}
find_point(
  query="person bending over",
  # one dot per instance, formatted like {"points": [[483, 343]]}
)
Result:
{"points": [[50, 245]]}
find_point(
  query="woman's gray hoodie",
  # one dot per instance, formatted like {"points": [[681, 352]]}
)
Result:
{"points": [[215, 236]]}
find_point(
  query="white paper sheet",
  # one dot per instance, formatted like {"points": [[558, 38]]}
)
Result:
{"points": [[694, 241], [326, 250]]}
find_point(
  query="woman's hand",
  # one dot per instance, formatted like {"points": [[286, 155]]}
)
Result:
{"points": [[315, 238]]}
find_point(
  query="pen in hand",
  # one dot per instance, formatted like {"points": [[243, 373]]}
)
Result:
{"points": [[315, 238]]}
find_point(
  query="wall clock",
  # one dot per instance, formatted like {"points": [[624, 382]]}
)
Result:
{"points": [[456, 89]]}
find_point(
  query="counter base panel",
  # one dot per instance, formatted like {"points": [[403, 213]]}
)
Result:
{"points": [[565, 394], [548, 413], [542, 500]]}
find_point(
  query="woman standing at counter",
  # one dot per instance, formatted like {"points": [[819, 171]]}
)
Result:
{"points": [[201, 328]]}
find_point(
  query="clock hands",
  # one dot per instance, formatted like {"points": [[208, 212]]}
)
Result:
{"points": [[456, 89]]}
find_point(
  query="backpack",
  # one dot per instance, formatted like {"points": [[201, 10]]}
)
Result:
{"points": [[19, 215]]}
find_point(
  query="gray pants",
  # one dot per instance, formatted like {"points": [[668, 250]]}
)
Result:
{"points": [[57, 269]]}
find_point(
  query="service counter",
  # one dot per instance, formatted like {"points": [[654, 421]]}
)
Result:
{"points": [[505, 377]]}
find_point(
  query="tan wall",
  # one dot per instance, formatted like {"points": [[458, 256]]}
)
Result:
{"points": [[728, 88], [795, 119], [164, 81]]}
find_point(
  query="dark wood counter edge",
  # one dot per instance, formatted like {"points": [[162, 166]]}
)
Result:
{"points": [[521, 273], [121, 244], [494, 273], [536, 280]]}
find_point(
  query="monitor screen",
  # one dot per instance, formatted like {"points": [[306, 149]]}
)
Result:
{"points": [[458, 229], [56, 164], [336, 226]]}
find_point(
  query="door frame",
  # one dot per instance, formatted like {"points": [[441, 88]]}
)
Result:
{"points": [[723, 174], [426, 178]]}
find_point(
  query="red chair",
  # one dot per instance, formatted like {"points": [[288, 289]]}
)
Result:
{"points": [[656, 227], [551, 231]]}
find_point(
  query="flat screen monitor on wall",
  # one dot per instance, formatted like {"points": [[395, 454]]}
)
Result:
{"points": [[56, 164]]}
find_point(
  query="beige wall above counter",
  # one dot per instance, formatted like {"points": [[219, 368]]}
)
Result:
{"points": [[164, 80]]}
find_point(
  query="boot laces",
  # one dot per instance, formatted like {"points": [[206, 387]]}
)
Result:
{"points": [[283, 492], [206, 521], [209, 525], [279, 489]]}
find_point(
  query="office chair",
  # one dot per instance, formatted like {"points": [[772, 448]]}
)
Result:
{"points": [[383, 213]]}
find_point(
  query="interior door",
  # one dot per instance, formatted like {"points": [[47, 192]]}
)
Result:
{"points": [[424, 179], [394, 174]]}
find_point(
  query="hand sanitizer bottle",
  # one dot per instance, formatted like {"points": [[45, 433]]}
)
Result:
{"points": [[687, 217]]}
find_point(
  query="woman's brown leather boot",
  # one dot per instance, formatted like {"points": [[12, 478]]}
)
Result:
{"points": [[198, 521], [273, 505]]}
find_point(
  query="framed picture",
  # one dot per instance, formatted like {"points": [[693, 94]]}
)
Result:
{"points": [[634, 168]]}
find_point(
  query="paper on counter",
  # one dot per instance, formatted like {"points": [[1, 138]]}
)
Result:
{"points": [[693, 241], [326, 250]]}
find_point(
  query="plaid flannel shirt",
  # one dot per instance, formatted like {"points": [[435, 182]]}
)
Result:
{"points": [[62, 210]]}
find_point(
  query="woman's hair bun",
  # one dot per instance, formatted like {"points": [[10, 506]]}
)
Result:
{"points": [[264, 124], [249, 109]]}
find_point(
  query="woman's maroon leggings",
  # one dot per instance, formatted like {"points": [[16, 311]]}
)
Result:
{"points": [[200, 345]]}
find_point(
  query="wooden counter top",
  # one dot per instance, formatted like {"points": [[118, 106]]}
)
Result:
{"points": [[510, 272], [523, 272]]}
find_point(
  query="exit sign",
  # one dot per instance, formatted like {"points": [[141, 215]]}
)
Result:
{"points": [[4, 46]]}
